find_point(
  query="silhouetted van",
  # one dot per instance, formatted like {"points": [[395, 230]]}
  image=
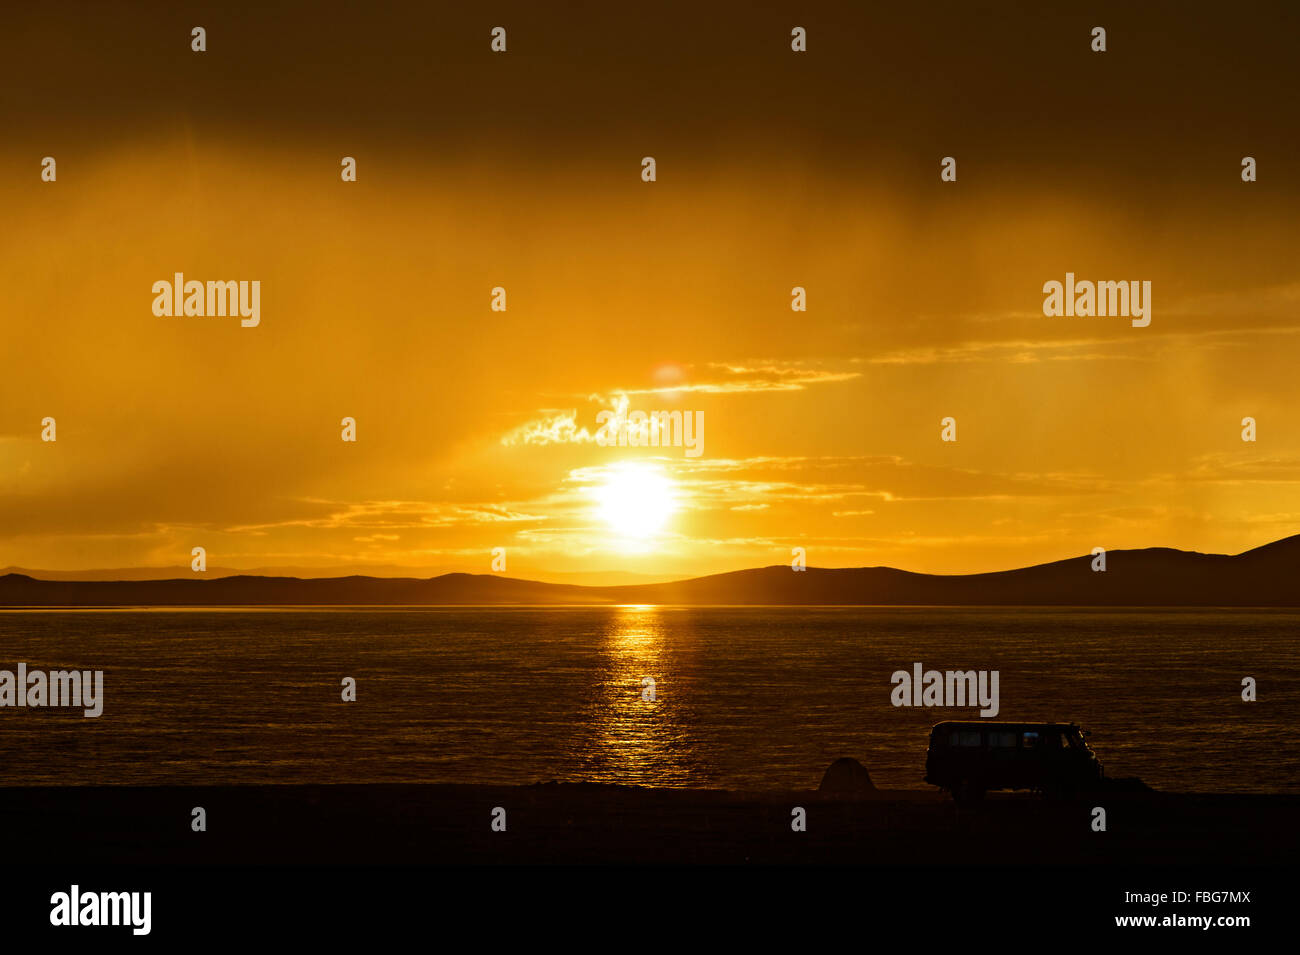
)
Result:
{"points": [[969, 757]]}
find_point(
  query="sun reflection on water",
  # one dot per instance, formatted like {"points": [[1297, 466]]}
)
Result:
{"points": [[639, 737]]}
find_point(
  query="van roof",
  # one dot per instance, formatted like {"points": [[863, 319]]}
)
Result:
{"points": [[988, 724]]}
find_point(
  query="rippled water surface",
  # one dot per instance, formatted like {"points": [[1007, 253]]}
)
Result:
{"points": [[755, 698]]}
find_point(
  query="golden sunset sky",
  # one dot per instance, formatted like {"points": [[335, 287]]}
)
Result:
{"points": [[522, 170]]}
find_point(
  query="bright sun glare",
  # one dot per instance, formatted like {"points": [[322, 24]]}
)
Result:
{"points": [[636, 500]]}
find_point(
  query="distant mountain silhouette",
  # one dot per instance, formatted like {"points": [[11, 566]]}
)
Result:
{"points": [[183, 572], [1156, 577]]}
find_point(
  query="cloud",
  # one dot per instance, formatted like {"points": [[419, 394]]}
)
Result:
{"points": [[1019, 351], [1229, 469], [560, 426], [556, 428], [760, 376], [386, 515]]}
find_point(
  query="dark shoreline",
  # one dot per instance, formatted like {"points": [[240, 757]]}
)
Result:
{"points": [[430, 824]]}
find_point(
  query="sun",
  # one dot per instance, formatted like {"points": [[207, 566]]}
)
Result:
{"points": [[636, 500]]}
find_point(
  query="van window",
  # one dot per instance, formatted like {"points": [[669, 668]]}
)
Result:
{"points": [[1002, 740], [964, 738], [1029, 740]]}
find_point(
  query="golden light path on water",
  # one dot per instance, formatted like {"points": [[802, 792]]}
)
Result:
{"points": [[638, 735]]}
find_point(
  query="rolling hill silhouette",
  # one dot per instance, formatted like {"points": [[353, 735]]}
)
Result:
{"points": [[1156, 576]]}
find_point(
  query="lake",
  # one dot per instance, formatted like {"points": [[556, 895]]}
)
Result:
{"points": [[745, 698]]}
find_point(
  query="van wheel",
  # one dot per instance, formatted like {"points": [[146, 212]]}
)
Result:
{"points": [[967, 792], [1058, 792]]}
